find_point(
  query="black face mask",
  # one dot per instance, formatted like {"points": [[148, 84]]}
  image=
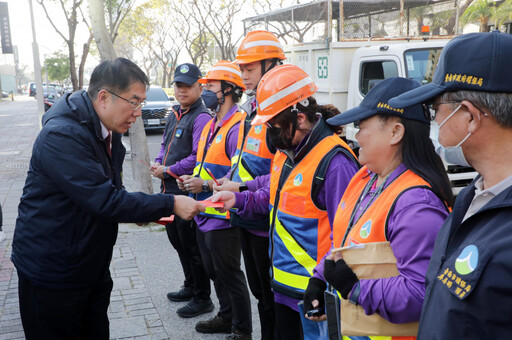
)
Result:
{"points": [[279, 139]]}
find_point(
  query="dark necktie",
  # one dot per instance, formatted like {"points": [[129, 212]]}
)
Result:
{"points": [[107, 142]]}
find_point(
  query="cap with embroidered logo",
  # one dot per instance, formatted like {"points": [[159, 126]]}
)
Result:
{"points": [[187, 73], [470, 62], [376, 102]]}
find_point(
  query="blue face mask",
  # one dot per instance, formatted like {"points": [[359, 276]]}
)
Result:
{"points": [[451, 154], [210, 99]]}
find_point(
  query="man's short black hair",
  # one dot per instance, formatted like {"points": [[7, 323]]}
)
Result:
{"points": [[116, 75]]}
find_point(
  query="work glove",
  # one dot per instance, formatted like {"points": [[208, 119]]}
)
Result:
{"points": [[314, 291], [340, 276]]}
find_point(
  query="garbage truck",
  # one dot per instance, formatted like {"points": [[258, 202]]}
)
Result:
{"points": [[346, 70]]}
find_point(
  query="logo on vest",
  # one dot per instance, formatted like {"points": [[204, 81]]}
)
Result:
{"points": [[257, 129], [297, 180], [218, 139], [366, 229], [342, 205], [467, 260], [184, 69], [276, 168]]}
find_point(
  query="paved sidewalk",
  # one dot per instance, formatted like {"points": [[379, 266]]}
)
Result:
{"points": [[144, 265]]}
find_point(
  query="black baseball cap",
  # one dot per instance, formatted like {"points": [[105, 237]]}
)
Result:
{"points": [[187, 73], [376, 102], [471, 62]]}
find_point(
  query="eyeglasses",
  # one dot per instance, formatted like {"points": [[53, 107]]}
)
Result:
{"points": [[430, 109], [135, 105]]}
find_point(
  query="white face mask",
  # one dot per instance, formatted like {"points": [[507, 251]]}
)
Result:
{"points": [[451, 154]]}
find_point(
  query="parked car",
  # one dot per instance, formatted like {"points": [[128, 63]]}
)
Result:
{"points": [[33, 92], [157, 109], [50, 96], [32, 89]]}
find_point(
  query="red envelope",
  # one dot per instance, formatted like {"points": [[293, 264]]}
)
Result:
{"points": [[165, 220], [211, 204]]}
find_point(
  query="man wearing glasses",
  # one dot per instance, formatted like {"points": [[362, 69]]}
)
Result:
{"points": [[469, 280], [72, 201], [178, 156]]}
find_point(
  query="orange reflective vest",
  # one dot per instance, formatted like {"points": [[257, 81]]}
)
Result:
{"points": [[300, 231], [214, 157], [253, 156], [372, 224]]}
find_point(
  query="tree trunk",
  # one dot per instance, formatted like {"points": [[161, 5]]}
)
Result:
{"points": [[138, 142], [484, 27], [81, 67]]}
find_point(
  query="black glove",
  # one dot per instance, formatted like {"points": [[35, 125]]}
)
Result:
{"points": [[315, 291], [340, 276]]}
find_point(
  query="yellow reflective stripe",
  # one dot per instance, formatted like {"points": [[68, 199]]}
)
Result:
{"points": [[290, 279], [234, 160], [212, 211], [297, 252], [196, 170], [243, 173]]}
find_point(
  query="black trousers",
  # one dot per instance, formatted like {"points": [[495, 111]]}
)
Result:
{"points": [[257, 268], [221, 253], [64, 313], [288, 322], [182, 235]]}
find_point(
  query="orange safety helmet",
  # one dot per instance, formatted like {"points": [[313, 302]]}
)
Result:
{"points": [[280, 88], [227, 71], [259, 45]]}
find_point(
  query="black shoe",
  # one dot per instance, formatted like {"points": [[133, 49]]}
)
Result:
{"points": [[237, 335], [195, 307], [184, 294], [217, 324]]}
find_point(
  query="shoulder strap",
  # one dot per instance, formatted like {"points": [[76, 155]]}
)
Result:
{"points": [[324, 164]]}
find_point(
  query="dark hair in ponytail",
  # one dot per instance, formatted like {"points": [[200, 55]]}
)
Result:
{"points": [[313, 108]]}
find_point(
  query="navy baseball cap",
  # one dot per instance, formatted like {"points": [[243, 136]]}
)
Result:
{"points": [[187, 73], [376, 102], [471, 62]]}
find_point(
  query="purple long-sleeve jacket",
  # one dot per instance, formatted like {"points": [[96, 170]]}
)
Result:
{"points": [[208, 224], [186, 165], [412, 230], [251, 204]]}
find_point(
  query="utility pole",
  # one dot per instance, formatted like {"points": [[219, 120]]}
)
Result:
{"points": [[37, 67]]}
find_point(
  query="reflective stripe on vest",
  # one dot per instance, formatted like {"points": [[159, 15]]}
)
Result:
{"points": [[300, 231], [216, 159], [372, 225], [253, 158]]}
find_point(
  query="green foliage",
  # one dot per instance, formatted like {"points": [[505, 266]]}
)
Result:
{"points": [[58, 67]]}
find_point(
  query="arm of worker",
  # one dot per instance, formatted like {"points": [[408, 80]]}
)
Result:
{"points": [[339, 173], [413, 228]]}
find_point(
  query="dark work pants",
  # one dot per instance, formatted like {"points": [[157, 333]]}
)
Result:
{"points": [[65, 313], [257, 268], [221, 253], [288, 323], [182, 235]]}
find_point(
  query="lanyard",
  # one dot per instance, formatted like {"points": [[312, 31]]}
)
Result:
{"points": [[357, 207]]}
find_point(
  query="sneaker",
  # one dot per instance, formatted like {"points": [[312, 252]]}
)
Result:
{"points": [[184, 294], [2, 235], [237, 335], [217, 324], [195, 307]]}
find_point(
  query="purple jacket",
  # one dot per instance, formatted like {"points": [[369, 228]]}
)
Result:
{"points": [[413, 226], [186, 165], [208, 224]]}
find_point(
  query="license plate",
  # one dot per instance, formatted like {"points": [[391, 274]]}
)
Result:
{"points": [[153, 121]]}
